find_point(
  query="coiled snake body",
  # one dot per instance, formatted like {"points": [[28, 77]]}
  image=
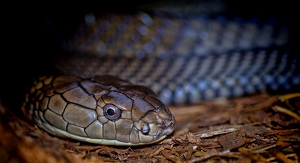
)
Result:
{"points": [[183, 60]]}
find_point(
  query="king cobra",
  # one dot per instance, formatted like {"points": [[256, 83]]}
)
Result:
{"points": [[183, 60], [103, 110]]}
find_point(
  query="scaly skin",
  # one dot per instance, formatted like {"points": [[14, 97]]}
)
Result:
{"points": [[103, 110]]}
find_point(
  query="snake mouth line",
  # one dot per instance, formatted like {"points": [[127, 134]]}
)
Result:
{"points": [[61, 133], [58, 132]]}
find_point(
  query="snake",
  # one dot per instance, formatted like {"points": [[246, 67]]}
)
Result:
{"points": [[182, 60], [103, 110]]}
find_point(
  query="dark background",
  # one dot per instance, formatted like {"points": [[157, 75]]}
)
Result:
{"points": [[39, 27], [34, 31]]}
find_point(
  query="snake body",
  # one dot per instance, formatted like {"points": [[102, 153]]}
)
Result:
{"points": [[183, 60]]}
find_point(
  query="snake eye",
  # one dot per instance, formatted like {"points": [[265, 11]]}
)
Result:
{"points": [[112, 112]]}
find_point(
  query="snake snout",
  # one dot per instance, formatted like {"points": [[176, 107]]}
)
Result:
{"points": [[168, 122], [169, 126]]}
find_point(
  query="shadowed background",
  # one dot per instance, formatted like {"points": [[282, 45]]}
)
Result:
{"points": [[35, 32]]}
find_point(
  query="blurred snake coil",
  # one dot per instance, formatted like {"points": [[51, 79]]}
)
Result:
{"points": [[183, 60]]}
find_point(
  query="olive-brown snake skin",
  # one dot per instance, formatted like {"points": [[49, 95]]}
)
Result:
{"points": [[104, 110]]}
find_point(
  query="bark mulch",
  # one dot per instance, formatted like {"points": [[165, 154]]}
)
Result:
{"points": [[258, 128]]}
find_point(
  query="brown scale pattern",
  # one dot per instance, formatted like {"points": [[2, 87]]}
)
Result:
{"points": [[76, 106]]}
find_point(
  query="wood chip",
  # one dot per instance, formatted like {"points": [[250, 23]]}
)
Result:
{"points": [[170, 157], [232, 140]]}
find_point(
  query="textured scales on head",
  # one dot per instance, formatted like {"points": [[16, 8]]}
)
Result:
{"points": [[103, 110]]}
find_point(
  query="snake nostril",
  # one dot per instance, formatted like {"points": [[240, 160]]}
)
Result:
{"points": [[145, 129]]}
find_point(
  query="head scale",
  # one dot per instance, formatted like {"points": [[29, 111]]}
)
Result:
{"points": [[104, 110]]}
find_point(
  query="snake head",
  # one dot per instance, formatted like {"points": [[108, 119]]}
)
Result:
{"points": [[142, 117], [104, 110]]}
